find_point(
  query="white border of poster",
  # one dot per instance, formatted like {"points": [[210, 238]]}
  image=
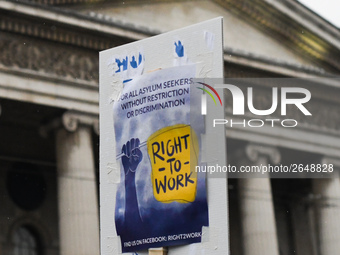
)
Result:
{"points": [[203, 47]]}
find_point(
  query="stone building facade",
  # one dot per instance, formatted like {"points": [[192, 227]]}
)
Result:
{"points": [[49, 110]]}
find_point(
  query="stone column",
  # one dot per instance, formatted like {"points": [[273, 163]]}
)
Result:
{"points": [[256, 203], [327, 206], [77, 190]]}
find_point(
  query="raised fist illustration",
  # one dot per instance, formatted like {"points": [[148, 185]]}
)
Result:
{"points": [[132, 155]]}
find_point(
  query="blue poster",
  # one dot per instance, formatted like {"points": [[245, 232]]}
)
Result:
{"points": [[161, 199]]}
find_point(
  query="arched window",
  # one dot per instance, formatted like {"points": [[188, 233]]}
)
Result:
{"points": [[25, 242]]}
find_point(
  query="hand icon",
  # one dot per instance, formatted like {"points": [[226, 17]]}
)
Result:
{"points": [[133, 62], [132, 155], [122, 63], [179, 49]]}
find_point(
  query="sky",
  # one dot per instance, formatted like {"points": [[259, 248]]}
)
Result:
{"points": [[328, 9]]}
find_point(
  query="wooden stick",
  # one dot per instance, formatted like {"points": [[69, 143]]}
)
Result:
{"points": [[158, 251]]}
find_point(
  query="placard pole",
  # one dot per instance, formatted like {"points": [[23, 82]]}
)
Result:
{"points": [[158, 251]]}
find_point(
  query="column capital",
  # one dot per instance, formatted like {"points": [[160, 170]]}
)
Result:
{"points": [[254, 151], [71, 120], [331, 160]]}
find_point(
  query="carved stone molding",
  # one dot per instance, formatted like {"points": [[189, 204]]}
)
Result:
{"points": [[54, 33], [71, 120], [70, 2], [274, 22], [29, 54]]}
